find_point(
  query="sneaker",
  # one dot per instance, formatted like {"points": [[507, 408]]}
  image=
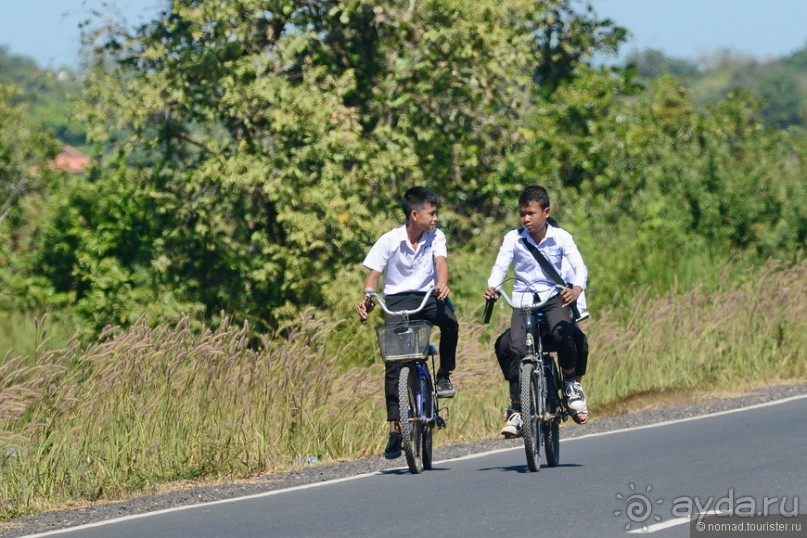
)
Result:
{"points": [[513, 427], [393, 449], [445, 389], [575, 397]]}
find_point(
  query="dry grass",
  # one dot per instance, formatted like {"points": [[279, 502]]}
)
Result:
{"points": [[741, 336], [151, 406]]}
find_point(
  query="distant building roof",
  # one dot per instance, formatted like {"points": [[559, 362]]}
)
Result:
{"points": [[70, 160]]}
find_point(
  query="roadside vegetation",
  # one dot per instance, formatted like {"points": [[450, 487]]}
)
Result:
{"points": [[183, 309], [148, 406]]}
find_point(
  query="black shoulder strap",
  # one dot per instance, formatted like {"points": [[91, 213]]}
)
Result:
{"points": [[543, 262], [551, 271]]}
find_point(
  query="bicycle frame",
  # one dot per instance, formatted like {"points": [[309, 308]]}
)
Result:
{"points": [[542, 407], [416, 392]]}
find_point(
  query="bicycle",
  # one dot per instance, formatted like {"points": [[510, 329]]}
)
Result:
{"points": [[406, 343], [543, 404]]}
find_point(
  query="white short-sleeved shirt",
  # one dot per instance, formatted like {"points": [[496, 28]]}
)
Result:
{"points": [[557, 246], [404, 268]]}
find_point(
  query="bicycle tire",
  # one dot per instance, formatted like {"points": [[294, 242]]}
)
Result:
{"points": [[529, 383], [427, 448], [410, 419], [551, 428], [551, 433], [427, 389]]}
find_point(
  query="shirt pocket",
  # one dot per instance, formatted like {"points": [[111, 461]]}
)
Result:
{"points": [[554, 255]]}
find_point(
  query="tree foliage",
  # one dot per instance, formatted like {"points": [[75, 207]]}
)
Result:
{"points": [[652, 182], [49, 95], [25, 183], [779, 84], [249, 152]]}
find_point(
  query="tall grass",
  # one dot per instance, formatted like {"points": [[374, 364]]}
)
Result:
{"points": [[149, 406], [740, 335]]}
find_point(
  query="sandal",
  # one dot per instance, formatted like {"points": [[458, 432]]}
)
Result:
{"points": [[581, 417]]}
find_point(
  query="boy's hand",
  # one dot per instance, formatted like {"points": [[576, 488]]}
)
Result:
{"points": [[570, 295], [492, 293], [364, 307], [441, 291]]}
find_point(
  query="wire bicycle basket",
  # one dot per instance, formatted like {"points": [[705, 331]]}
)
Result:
{"points": [[404, 341]]}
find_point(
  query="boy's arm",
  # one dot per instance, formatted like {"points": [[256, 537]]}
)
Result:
{"points": [[579, 270], [578, 266], [504, 259], [363, 308], [441, 290]]}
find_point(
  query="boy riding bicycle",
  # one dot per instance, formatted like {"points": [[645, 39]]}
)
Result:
{"points": [[556, 245], [413, 258]]}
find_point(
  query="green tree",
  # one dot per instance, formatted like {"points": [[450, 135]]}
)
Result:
{"points": [[652, 183], [653, 63], [26, 149], [783, 97], [49, 95], [251, 150]]}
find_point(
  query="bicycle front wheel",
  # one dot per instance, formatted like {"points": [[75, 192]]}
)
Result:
{"points": [[409, 394], [531, 391]]}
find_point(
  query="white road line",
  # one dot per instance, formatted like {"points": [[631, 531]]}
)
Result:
{"points": [[689, 419], [656, 527], [669, 523], [660, 526]]}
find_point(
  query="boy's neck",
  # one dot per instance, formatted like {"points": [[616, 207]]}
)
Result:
{"points": [[413, 232], [540, 234]]}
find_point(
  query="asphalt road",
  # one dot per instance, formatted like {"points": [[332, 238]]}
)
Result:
{"points": [[639, 479]]}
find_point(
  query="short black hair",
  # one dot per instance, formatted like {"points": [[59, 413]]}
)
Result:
{"points": [[534, 193], [417, 198]]}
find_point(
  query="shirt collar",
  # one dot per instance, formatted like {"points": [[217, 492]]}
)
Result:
{"points": [[550, 233], [403, 237]]}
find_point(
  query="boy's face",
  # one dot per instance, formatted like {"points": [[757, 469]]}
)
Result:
{"points": [[533, 216], [426, 218]]}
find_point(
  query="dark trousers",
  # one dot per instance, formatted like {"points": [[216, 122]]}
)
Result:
{"points": [[439, 313], [571, 343]]}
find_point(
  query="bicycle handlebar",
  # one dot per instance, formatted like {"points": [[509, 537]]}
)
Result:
{"points": [[509, 301], [371, 293]]}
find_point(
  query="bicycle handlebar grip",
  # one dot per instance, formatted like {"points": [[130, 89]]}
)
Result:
{"points": [[368, 303], [575, 311], [489, 309], [573, 307]]}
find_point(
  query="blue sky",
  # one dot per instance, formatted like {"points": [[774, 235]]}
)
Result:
{"points": [[692, 29], [47, 30]]}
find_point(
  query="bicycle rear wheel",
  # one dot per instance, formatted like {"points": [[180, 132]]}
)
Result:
{"points": [[551, 428], [429, 410], [409, 393], [551, 432], [427, 447], [531, 390]]}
